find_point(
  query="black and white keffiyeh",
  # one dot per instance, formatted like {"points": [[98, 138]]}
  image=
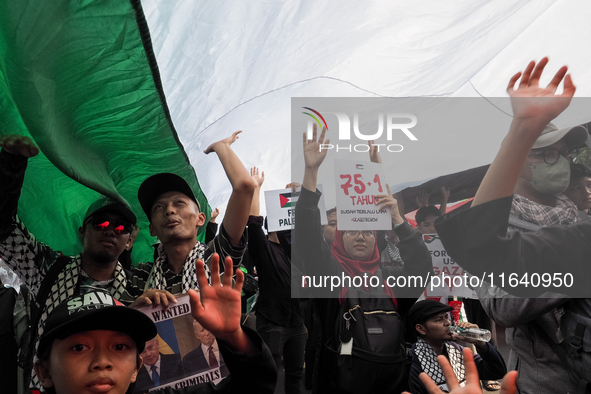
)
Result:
{"points": [[428, 359], [157, 279]]}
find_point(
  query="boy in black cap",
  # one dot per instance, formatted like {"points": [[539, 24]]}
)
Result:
{"points": [[430, 320], [93, 345]]}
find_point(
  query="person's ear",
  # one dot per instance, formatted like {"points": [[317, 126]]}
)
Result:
{"points": [[44, 374], [81, 233], [140, 362], [200, 219], [129, 243], [420, 329]]}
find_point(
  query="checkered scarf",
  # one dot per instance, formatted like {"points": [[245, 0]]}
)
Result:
{"points": [[394, 253], [564, 212], [157, 279], [428, 359]]}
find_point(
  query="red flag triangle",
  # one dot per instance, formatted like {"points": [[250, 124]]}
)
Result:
{"points": [[283, 200]]}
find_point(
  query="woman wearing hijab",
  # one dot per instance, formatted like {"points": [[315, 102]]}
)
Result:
{"points": [[362, 322]]}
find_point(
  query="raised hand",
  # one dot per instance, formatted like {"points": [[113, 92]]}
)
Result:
{"points": [[217, 306], [388, 201], [445, 193], [472, 380], [19, 145], [530, 100], [226, 141], [257, 179], [374, 153], [422, 198], [214, 214], [472, 385], [313, 154]]}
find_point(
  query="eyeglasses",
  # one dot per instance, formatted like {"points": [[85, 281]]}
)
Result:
{"points": [[354, 234], [551, 155], [101, 224]]}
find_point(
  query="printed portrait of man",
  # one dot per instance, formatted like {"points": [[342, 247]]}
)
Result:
{"points": [[206, 356], [158, 369]]}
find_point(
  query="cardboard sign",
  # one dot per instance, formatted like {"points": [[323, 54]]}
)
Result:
{"points": [[280, 206], [182, 348], [357, 184], [449, 278]]}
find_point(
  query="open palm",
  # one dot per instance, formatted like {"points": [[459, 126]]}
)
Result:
{"points": [[217, 307], [314, 154]]}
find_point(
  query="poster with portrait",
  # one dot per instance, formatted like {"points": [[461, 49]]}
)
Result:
{"points": [[183, 353]]}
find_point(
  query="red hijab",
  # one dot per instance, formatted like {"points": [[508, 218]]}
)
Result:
{"points": [[354, 267]]}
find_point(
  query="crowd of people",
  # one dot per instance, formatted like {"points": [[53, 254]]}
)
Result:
{"points": [[87, 336]]}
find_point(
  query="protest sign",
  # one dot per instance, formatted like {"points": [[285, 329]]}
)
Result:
{"points": [[449, 278], [188, 354], [280, 205], [357, 184]]}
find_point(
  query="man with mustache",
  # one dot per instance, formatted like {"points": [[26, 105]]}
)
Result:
{"points": [[175, 217]]}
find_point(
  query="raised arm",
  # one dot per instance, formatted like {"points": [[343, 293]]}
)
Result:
{"points": [[16, 150], [236, 214], [314, 155], [445, 193], [533, 108], [255, 206]]}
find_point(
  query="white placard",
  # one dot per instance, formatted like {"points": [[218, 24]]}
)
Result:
{"points": [[280, 206], [449, 278], [357, 184]]}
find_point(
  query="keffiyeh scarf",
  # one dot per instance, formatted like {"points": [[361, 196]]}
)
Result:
{"points": [[157, 279], [428, 359]]}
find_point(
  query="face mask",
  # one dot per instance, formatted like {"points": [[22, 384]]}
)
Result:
{"points": [[551, 179]]}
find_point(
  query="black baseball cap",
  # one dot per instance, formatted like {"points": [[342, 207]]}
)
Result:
{"points": [[425, 309], [106, 204], [158, 184], [95, 310]]}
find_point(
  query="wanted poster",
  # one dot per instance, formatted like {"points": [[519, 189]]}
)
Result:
{"points": [[182, 354]]}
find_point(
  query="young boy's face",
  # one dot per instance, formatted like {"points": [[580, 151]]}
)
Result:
{"points": [[427, 226], [94, 362], [579, 191]]}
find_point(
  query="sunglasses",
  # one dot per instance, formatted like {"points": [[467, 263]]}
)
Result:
{"points": [[101, 224]]}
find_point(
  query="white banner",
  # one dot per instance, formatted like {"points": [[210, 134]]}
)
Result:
{"points": [[280, 205], [357, 184], [449, 278]]}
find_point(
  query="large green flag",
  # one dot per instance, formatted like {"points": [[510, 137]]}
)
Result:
{"points": [[80, 78]]}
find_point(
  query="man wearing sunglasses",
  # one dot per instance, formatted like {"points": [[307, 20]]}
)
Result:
{"points": [[49, 276]]}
